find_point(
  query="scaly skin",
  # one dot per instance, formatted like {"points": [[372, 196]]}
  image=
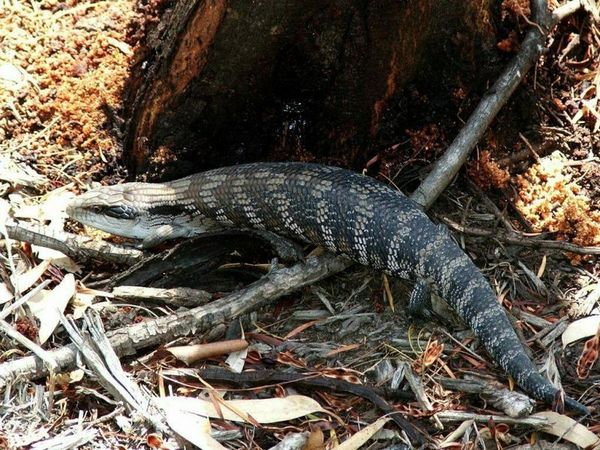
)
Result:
{"points": [[343, 211]]}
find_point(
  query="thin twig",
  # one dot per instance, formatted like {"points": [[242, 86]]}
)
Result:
{"points": [[446, 168], [489, 204], [523, 241], [36, 290], [46, 356]]}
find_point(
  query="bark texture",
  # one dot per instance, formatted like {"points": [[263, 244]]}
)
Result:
{"points": [[224, 82]]}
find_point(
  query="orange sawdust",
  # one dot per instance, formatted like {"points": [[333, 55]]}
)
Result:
{"points": [[486, 173], [70, 60], [515, 8], [551, 199], [510, 44], [426, 141]]}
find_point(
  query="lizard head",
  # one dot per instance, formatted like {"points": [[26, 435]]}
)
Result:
{"points": [[147, 211], [116, 209]]}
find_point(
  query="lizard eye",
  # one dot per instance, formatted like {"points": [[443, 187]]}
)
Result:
{"points": [[120, 212]]}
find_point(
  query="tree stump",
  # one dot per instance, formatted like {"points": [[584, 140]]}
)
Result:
{"points": [[224, 82]]}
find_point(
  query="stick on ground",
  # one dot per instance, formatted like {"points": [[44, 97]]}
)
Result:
{"points": [[515, 238], [80, 247], [128, 340], [446, 168]]}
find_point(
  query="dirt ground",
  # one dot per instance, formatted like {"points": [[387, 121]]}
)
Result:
{"points": [[63, 69]]}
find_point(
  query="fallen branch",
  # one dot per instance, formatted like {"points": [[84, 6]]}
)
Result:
{"points": [[460, 416], [75, 246], [522, 240], [176, 297], [128, 340], [512, 403], [446, 168]]}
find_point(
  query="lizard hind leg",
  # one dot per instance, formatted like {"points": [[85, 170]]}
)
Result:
{"points": [[419, 302]]}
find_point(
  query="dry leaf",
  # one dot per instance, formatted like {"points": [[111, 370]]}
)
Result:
{"points": [[76, 375], [51, 211], [191, 353], [5, 294], [580, 329], [360, 438], [263, 411], [57, 258], [24, 281], [316, 440], [194, 428], [568, 429], [81, 302], [236, 360], [299, 329], [18, 173], [69, 377], [432, 353], [154, 440], [47, 306]]}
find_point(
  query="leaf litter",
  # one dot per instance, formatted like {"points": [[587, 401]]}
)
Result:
{"points": [[67, 66]]}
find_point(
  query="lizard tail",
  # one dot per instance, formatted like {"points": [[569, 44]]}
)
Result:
{"points": [[462, 285]]}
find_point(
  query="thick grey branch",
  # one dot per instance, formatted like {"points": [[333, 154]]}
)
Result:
{"points": [[130, 339]]}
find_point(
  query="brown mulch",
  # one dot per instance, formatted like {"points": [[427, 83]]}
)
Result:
{"points": [[64, 66]]}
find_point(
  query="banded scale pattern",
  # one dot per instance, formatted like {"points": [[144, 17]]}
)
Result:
{"points": [[345, 212]]}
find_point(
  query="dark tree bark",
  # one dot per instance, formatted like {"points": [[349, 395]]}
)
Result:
{"points": [[225, 82]]}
